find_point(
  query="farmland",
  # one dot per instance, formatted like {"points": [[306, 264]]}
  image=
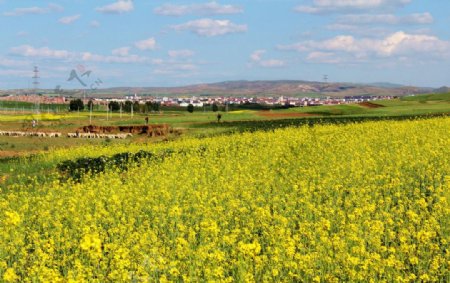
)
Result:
{"points": [[225, 141], [356, 202], [346, 193], [198, 124]]}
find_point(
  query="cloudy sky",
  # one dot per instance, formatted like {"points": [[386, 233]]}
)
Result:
{"points": [[171, 43]]}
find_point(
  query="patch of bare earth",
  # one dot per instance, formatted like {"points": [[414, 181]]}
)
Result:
{"points": [[12, 153], [370, 105], [9, 153]]}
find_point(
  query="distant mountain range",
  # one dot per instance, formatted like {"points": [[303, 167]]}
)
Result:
{"points": [[276, 88], [263, 88]]}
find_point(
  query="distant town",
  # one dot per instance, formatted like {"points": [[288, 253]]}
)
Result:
{"points": [[201, 101]]}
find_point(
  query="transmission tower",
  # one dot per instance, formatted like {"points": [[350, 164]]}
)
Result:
{"points": [[35, 79], [325, 78], [36, 85]]}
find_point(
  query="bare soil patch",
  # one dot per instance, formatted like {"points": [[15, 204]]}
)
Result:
{"points": [[150, 130], [8, 153], [12, 153], [370, 105]]}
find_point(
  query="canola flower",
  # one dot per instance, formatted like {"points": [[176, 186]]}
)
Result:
{"points": [[365, 202], [29, 117]]}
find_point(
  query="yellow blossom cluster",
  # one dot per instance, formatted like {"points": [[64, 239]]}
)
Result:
{"points": [[366, 202]]}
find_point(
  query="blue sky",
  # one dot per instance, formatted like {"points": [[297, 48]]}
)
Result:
{"points": [[172, 43]]}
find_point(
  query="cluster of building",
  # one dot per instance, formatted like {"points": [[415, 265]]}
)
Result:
{"points": [[200, 101], [281, 100]]}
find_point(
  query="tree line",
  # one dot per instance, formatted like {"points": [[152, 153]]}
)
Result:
{"points": [[115, 106], [128, 106]]}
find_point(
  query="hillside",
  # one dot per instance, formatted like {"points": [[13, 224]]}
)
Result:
{"points": [[444, 97], [271, 88], [256, 88]]}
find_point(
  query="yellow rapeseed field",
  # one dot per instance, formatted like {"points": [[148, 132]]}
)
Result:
{"points": [[365, 202], [28, 117]]}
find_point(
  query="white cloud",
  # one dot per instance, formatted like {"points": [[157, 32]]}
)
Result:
{"points": [[5, 62], [26, 11], [44, 52], [210, 27], [120, 55], [122, 51], [210, 8], [69, 19], [22, 33], [147, 44], [403, 43], [119, 7], [176, 68], [257, 55], [183, 53], [323, 57], [399, 44], [256, 58], [323, 6], [94, 24], [367, 19], [157, 61], [182, 67], [34, 10], [362, 30], [423, 18], [272, 63], [123, 59], [15, 73]]}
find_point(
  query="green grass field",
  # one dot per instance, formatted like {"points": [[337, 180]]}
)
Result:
{"points": [[198, 124]]}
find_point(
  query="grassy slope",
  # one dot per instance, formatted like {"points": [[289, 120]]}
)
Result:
{"points": [[413, 105], [445, 97]]}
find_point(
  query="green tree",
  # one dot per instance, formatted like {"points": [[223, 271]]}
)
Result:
{"points": [[215, 108], [76, 105], [136, 106], [127, 106], [156, 106], [190, 108], [148, 106], [114, 106]]}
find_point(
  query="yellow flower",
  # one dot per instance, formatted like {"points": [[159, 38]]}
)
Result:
{"points": [[12, 218], [10, 275]]}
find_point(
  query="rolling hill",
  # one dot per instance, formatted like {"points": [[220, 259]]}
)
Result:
{"points": [[261, 88]]}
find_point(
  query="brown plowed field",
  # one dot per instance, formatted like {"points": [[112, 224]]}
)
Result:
{"points": [[370, 105]]}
